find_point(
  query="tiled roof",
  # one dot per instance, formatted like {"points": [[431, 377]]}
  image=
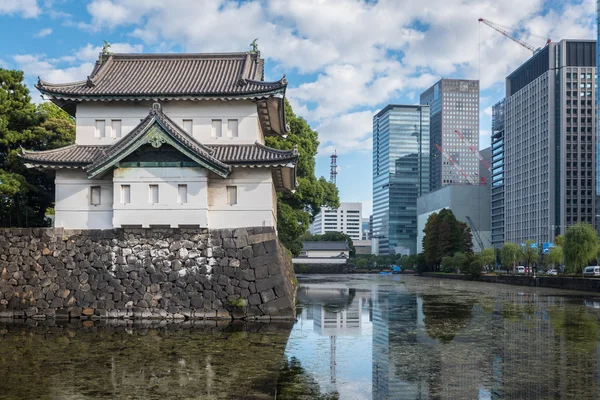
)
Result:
{"points": [[74, 155], [252, 154], [333, 246], [170, 76]]}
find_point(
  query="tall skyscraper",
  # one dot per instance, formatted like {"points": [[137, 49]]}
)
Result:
{"points": [[497, 206], [454, 106], [597, 119], [346, 219], [400, 175], [550, 142]]}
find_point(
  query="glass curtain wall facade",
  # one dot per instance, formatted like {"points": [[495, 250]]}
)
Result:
{"points": [[400, 175], [454, 106], [597, 218], [497, 206]]}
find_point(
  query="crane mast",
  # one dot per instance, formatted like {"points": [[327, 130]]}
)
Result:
{"points": [[506, 33]]}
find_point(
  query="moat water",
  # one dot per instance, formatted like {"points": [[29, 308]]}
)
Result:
{"points": [[356, 337]]}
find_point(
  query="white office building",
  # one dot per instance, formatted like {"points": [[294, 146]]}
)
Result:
{"points": [[346, 219]]}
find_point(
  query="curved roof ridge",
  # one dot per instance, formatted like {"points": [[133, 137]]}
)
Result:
{"points": [[49, 151], [278, 151]]}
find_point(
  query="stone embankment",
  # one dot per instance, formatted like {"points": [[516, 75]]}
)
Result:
{"points": [[145, 273], [556, 282]]}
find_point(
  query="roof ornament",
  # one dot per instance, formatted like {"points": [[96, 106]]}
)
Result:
{"points": [[156, 107], [105, 47], [254, 46], [89, 82], [283, 80]]}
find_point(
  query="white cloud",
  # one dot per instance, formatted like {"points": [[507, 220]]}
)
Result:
{"points": [[44, 32], [65, 69], [25, 8], [347, 133], [360, 55]]}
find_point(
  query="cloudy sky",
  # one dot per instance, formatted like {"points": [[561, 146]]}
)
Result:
{"points": [[344, 59]]}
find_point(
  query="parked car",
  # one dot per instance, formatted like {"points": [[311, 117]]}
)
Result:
{"points": [[520, 269], [552, 272], [592, 270]]}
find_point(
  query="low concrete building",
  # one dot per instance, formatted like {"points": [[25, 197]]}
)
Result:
{"points": [[362, 246], [323, 253], [471, 201]]}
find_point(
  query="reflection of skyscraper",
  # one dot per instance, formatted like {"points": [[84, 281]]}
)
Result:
{"points": [[400, 175], [395, 335]]}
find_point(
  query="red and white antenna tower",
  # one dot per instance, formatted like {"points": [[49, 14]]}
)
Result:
{"points": [[333, 168]]}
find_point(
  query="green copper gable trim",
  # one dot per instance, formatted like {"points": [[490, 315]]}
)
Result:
{"points": [[156, 135]]}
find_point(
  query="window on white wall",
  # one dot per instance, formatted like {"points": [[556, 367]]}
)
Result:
{"points": [[188, 126], [216, 130], [182, 194], [231, 195], [115, 128], [232, 128], [153, 194], [95, 193], [125, 194], [100, 128]]}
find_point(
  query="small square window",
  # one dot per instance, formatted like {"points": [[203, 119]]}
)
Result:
{"points": [[125, 194], [216, 130], [231, 195], [232, 128], [153, 194], [95, 195], [115, 128], [188, 126], [100, 128], [182, 194]]}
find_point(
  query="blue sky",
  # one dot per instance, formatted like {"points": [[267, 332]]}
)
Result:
{"points": [[344, 59]]}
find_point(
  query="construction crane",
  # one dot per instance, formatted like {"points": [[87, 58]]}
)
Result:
{"points": [[506, 32], [475, 232], [473, 149], [455, 165]]}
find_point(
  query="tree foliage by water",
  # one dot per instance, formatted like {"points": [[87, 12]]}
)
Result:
{"points": [[444, 236], [554, 256], [295, 211], [331, 237], [510, 254], [26, 194], [581, 246]]}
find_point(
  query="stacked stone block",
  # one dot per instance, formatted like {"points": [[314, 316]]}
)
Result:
{"points": [[145, 273]]}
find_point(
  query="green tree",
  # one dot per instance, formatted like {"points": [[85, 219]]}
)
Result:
{"points": [[560, 240], [334, 237], [581, 246], [460, 260], [296, 210], [554, 256], [530, 254], [443, 237], [448, 264], [510, 254], [362, 263], [487, 257], [467, 238], [26, 194]]}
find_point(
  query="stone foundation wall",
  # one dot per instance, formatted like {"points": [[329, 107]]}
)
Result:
{"points": [[145, 273]]}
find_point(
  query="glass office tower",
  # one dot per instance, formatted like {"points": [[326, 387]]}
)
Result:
{"points": [[400, 175], [497, 206]]}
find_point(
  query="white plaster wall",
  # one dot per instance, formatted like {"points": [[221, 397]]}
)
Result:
{"points": [[201, 112], [73, 208], [323, 260], [140, 210], [255, 202]]}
